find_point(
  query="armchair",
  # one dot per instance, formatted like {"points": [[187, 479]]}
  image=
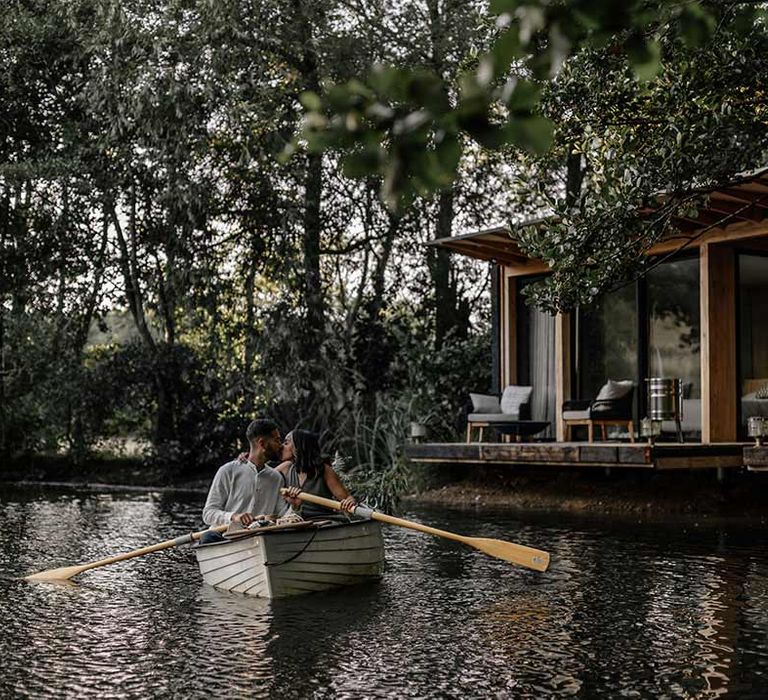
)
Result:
{"points": [[513, 405], [613, 406]]}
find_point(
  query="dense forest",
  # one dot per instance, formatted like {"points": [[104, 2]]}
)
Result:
{"points": [[213, 210], [166, 278]]}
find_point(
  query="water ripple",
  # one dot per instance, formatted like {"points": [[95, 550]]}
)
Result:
{"points": [[640, 611]]}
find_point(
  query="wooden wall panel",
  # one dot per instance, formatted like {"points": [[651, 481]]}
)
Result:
{"points": [[718, 344]]}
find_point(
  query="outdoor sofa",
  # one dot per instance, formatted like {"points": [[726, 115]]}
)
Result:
{"points": [[513, 404]]}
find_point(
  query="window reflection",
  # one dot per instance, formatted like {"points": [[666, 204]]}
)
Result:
{"points": [[607, 341], [674, 343]]}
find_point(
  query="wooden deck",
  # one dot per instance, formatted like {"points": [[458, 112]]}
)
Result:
{"points": [[584, 454]]}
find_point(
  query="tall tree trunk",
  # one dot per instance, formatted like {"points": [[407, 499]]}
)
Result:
{"points": [[250, 334], [77, 445], [450, 309], [372, 353], [451, 312], [313, 184], [385, 253], [128, 261], [164, 428], [313, 289]]}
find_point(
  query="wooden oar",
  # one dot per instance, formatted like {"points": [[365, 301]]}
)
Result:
{"points": [[67, 572], [508, 551]]}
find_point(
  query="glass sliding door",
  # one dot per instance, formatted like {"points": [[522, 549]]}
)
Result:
{"points": [[536, 358], [753, 336], [674, 333], [606, 342]]}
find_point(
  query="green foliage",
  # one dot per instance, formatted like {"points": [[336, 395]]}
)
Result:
{"points": [[396, 123], [698, 123]]}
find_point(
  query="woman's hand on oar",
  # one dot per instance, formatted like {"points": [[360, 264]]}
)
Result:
{"points": [[529, 557], [67, 572]]}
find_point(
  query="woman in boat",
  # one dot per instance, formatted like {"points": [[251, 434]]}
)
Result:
{"points": [[305, 469]]}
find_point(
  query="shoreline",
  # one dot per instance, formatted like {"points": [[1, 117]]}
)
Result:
{"points": [[657, 497], [653, 496], [102, 486]]}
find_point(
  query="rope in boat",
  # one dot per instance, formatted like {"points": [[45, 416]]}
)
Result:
{"points": [[298, 554]]}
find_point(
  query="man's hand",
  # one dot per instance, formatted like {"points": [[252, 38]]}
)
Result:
{"points": [[245, 519]]}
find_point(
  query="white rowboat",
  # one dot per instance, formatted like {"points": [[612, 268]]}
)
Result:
{"points": [[281, 562]]}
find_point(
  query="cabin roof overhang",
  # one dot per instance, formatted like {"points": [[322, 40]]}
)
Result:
{"points": [[497, 244], [741, 201]]}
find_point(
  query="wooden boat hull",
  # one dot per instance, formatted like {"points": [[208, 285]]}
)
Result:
{"points": [[286, 562]]}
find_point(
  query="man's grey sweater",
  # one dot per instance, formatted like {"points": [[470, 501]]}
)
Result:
{"points": [[239, 487]]}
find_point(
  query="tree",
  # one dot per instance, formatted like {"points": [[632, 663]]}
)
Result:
{"points": [[401, 124], [52, 247], [699, 122]]}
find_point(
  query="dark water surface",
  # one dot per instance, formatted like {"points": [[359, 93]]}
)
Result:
{"points": [[630, 610]]}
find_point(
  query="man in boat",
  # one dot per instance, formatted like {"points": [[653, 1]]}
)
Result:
{"points": [[245, 491]]}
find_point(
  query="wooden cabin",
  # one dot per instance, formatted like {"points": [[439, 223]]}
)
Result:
{"points": [[700, 315]]}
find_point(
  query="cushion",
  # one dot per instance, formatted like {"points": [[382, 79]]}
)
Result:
{"points": [[762, 392], [576, 415], [615, 390], [491, 417], [485, 403], [514, 397]]}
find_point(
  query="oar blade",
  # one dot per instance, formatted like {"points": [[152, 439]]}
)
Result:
{"points": [[62, 574], [531, 558]]}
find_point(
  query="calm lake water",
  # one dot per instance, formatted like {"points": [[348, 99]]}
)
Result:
{"points": [[629, 610]]}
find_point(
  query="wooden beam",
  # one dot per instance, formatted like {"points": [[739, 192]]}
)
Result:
{"points": [[704, 218], [580, 454], [509, 332], [494, 249], [482, 253], [734, 232], [743, 193], [562, 370], [731, 198], [702, 462], [724, 206], [718, 344], [532, 267]]}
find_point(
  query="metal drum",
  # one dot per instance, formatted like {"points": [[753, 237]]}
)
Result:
{"points": [[665, 400]]}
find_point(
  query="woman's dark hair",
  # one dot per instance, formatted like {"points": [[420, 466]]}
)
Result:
{"points": [[306, 451]]}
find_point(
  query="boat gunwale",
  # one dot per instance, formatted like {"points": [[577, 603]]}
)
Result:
{"points": [[287, 531]]}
